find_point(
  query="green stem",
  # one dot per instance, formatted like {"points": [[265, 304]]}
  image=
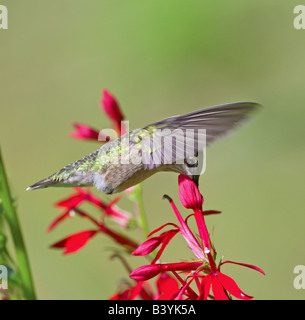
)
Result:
{"points": [[143, 220], [12, 220]]}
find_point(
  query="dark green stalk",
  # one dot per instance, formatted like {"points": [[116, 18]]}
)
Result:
{"points": [[11, 218], [143, 220]]}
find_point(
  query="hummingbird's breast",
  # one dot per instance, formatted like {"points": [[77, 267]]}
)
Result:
{"points": [[120, 177]]}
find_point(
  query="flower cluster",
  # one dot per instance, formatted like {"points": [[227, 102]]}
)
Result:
{"points": [[71, 205], [202, 270], [198, 279], [78, 240], [112, 109]]}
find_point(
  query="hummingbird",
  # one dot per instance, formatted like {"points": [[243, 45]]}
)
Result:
{"points": [[128, 160]]}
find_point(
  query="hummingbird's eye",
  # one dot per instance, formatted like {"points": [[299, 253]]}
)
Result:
{"points": [[191, 162]]}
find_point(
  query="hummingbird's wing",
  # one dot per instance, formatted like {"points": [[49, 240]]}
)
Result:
{"points": [[180, 137]]}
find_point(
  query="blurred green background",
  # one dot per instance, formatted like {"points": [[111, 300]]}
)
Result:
{"points": [[159, 58]]}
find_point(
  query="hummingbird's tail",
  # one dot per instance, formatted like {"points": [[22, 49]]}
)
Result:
{"points": [[75, 174], [44, 183]]}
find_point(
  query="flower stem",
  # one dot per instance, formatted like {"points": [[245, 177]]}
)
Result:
{"points": [[143, 220], [12, 220]]}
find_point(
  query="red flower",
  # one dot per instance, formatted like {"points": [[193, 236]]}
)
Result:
{"points": [[132, 292], [187, 233], [189, 194], [119, 216], [149, 271], [151, 244], [167, 289], [75, 242], [84, 132], [191, 198], [221, 283], [59, 219], [72, 201], [112, 109]]}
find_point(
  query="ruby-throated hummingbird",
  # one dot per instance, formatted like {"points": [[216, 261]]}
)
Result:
{"points": [[173, 144]]}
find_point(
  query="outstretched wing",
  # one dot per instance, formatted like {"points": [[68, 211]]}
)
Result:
{"points": [[175, 139]]}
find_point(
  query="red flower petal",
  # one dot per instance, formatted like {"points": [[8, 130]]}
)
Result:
{"points": [[166, 283], [151, 244], [115, 296], [75, 242], [132, 293], [136, 290], [119, 216], [150, 271], [71, 202], [203, 231], [86, 195], [160, 228], [147, 246], [205, 287], [189, 194], [244, 265], [168, 295], [168, 235], [186, 232], [187, 290], [111, 107], [84, 132], [58, 220], [124, 295], [167, 286], [145, 272], [230, 285], [218, 290]]}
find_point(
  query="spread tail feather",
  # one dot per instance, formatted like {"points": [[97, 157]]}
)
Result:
{"points": [[74, 174], [41, 184]]}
